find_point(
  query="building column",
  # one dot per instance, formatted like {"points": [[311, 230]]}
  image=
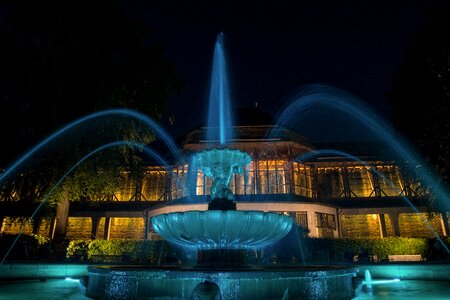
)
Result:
{"points": [[94, 230], [311, 215], [395, 223], [168, 186], [337, 232], [314, 183], [382, 223], [346, 182], [444, 224], [146, 225], [107, 229], [51, 232], [62, 217], [375, 181]]}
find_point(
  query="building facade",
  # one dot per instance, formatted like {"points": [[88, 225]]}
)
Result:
{"points": [[327, 195]]}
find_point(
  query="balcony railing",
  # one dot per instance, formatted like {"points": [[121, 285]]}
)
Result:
{"points": [[313, 180]]}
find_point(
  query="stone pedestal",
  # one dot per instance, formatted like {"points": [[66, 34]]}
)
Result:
{"points": [[221, 258], [221, 204]]}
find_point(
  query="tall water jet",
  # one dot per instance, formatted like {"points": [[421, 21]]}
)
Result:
{"points": [[219, 110]]}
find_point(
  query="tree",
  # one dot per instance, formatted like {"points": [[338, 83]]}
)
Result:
{"points": [[60, 60], [420, 93]]}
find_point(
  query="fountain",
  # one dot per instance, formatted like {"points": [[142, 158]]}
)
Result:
{"points": [[221, 236]]}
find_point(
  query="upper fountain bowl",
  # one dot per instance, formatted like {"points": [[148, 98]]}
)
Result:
{"points": [[210, 161], [217, 229]]}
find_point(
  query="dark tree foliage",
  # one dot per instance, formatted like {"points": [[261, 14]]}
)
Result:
{"points": [[420, 93], [60, 60]]}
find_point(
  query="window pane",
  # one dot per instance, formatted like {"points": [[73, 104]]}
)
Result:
{"points": [[302, 179], [325, 220], [154, 184], [359, 181], [200, 190], [262, 177], [301, 218], [390, 181], [249, 179]]}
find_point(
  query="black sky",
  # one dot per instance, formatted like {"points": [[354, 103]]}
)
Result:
{"points": [[276, 47]]}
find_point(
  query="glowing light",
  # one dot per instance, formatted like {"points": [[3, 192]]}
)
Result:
{"points": [[70, 279], [373, 282]]}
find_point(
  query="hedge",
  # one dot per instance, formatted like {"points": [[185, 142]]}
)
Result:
{"points": [[135, 250], [338, 248], [150, 251]]}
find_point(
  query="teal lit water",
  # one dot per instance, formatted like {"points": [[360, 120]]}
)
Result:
{"points": [[51, 289], [219, 110], [64, 289], [407, 290]]}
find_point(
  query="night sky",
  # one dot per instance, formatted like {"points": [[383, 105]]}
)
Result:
{"points": [[275, 48]]}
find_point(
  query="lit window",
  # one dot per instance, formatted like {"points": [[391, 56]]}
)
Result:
{"points": [[325, 221]]}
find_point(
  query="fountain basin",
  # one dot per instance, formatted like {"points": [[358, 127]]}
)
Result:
{"points": [[271, 282], [222, 229]]}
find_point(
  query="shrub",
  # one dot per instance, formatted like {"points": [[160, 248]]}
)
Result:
{"points": [[41, 240], [78, 247], [338, 248], [135, 250]]}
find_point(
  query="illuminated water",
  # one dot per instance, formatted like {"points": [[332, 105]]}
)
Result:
{"points": [[407, 290], [64, 289], [148, 151], [147, 121], [219, 110], [219, 123], [52, 289], [308, 155], [68, 129], [316, 104]]}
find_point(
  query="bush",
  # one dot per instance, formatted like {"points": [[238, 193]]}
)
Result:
{"points": [[78, 248], [338, 248], [130, 250]]}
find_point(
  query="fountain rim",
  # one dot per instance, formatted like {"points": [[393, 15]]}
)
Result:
{"points": [[261, 271], [209, 210], [282, 224]]}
